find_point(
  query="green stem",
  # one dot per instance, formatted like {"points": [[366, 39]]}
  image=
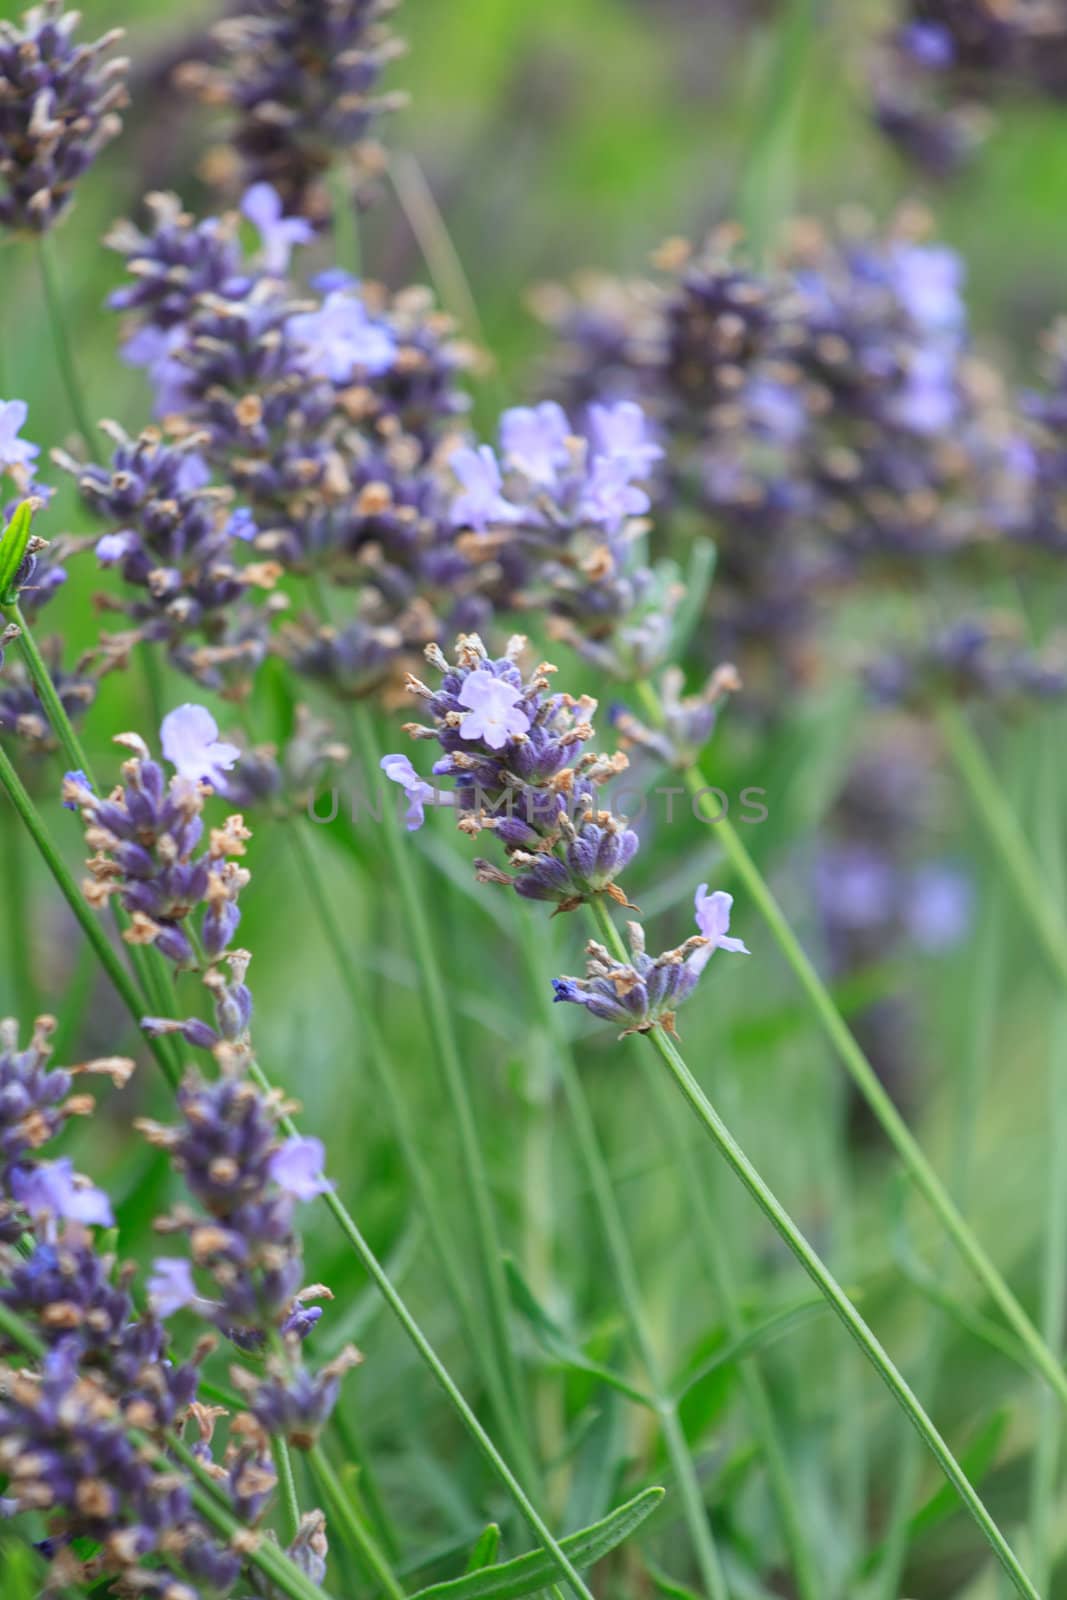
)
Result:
{"points": [[349, 1440], [717, 1266], [61, 338], [625, 1273], [359, 1537], [290, 1504], [866, 1079], [1049, 1446], [204, 1493], [430, 1358], [86, 918], [439, 1019], [21, 931], [765, 181], [1021, 867], [822, 1277], [386, 1083]]}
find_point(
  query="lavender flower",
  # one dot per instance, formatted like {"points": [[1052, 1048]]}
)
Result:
{"points": [[58, 108], [300, 78], [278, 234], [506, 746], [145, 836], [15, 453], [190, 741], [645, 993], [340, 341]]}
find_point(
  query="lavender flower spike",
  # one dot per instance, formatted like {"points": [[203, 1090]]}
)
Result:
{"points": [[190, 738], [641, 994]]}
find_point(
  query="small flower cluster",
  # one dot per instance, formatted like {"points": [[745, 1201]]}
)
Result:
{"points": [[302, 78], [59, 104], [645, 992], [513, 752], [84, 1430], [827, 417], [946, 62], [21, 710], [562, 520], [145, 835], [324, 415], [176, 542]]}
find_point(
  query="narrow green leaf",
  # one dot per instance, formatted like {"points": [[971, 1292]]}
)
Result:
{"points": [[484, 1552], [555, 1343], [13, 542], [527, 1574]]}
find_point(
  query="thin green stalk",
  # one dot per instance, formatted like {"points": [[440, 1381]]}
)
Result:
{"points": [[21, 930], [386, 1082], [822, 1277], [429, 1356], [625, 1274], [757, 1402], [853, 1058], [1047, 1454], [359, 1537], [61, 338], [765, 180], [439, 1018], [434, 240], [290, 1504], [1021, 867], [968, 1096], [86, 918], [355, 1454], [205, 1496]]}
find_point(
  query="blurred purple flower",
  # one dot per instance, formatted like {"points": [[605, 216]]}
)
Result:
{"points": [[533, 439], [15, 452], [340, 339], [621, 431], [262, 205], [54, 1190], [481, 504], [297, 1167], [190, 738], [170, 1286]]}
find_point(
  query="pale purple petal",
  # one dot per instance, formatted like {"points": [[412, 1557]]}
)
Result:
{"points": [[297, 1168], [533, 439], [713, 920], [190, 737], [170, 1286], [494, 714], [53, 1190]]}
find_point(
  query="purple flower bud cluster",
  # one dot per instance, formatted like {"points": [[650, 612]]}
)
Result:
{"points": [[301, 77], [324, 415], [512, 752], [21, 711], [826, 416], [177, 543], [287, 781], [562, 518], [688, 719], [976, 658], [59, 104], [83, 1431], [145, 837], [947, 62], [646, 991]]}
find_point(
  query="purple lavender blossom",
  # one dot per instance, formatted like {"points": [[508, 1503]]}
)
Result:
{"points": [[398, 769], [713, 920], [171, 1287], [340, 340], [641, 994], [15, 452], [535, 441], [493, 711], [52, 1189], [58, 108], [278, 234], [481, 503], [297, 1167], [190, 742], [620, 431]]}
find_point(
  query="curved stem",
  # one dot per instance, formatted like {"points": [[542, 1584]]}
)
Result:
{"points": [[357, 1535], [822, 1277], [61, 338], [439, 1019], [853, 1058], [625, 1273]]}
